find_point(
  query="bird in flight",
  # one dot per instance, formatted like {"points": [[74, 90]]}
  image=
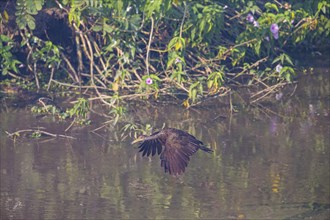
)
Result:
{"points": [[174, 146]]}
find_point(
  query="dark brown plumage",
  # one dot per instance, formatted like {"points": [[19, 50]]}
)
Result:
{"points": [[174, 146]]}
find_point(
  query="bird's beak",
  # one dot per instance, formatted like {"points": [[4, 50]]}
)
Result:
{"points": [[139, 139]]}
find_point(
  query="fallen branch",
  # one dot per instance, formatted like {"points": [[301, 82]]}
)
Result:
{"points": [[17, 133], [267, 91]]}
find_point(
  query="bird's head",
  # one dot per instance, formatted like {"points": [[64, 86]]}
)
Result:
{"points": [[139, 139]]}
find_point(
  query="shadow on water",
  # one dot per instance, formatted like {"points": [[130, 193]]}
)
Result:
{"points": [[270, 162]]}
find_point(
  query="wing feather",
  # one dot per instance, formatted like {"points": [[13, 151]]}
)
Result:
{"points": [[159, 148], [154, 149], [174, 161], [150, 147]]}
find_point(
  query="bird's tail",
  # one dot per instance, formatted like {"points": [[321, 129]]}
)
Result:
{"points": [[206, 149]]}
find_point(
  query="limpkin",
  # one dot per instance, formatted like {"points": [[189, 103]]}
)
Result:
{"points": [[174, 146]]}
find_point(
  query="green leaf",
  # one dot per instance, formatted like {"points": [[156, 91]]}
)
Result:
{"points": [[257, 47], [276, 59], [152, 6], [193, 85], [5, 38], [31, 23], [269, 6], [154, 77], [288, 77], [5, 16], [33, 6], [210, 83], [288, 59], [176, 43], [200, 88], [194, 94], [97, 28]]}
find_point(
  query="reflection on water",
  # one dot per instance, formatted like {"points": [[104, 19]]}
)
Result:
{"points": [[266, 165]]}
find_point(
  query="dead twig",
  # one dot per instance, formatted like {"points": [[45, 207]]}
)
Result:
{"points": [[149, 44], [266, 92], [17, 133]]}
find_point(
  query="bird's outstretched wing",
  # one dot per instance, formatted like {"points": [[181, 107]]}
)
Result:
{"points": [[150, 147], [177, 152], [174, 161]]}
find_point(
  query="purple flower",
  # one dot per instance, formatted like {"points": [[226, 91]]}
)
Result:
{"points": [[274, 28], [177, 60], [256, 24], [250, 18], [278, 68], [149, 81]]}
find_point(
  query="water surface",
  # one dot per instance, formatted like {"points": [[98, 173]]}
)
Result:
{"points": [[269, 162]]}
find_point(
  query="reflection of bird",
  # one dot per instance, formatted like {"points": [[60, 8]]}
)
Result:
{"points": [[174, 146]]}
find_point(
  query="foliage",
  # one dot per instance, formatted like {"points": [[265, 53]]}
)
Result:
{"points": [[25, 9], [131, 49], [144, 86], [49, 109], [79, 111], [7, 61], [36, 134], [133, 130], [46, 52]]}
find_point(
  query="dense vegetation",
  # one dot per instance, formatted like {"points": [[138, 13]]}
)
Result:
{"points": [[117, 50]]}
